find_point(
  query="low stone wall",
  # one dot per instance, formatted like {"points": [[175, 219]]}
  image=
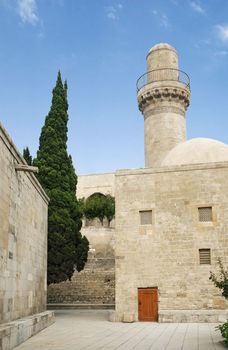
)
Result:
{"points": [[94, 285], [14, 333]]}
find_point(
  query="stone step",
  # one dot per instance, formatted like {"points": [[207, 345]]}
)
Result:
{"points": [[81, 306]]}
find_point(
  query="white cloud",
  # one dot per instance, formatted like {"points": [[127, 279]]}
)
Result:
{"points": [[197, 7], [221, 53], [112, 15], [222, 32], [27, 10], [164, 22], [162, 18], [112, 12]]}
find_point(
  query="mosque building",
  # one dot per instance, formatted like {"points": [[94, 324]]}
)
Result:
{"points": [[171, 222]]}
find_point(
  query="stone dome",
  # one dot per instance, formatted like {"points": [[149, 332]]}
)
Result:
{"points": [[161, 46], [195, 151]]}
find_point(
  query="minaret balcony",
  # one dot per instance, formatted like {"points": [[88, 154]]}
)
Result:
{"points": [[163, 85], [164, 75]]}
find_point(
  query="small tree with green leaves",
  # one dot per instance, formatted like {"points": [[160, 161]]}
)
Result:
{"points": [[99, 206], [27, 156], [95, 207], [221, 282]]}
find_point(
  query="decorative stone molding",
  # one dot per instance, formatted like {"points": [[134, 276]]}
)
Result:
{"points": [[157, 95]]}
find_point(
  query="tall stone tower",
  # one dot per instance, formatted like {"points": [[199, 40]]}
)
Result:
{"points": [[163, 94]]}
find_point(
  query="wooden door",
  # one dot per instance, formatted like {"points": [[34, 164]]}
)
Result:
{"points": [[148, 304]]}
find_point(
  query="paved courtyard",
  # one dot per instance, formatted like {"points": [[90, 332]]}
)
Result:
{"points": [[91, 330]]}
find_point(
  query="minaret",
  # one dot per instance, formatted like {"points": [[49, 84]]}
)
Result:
{"points": [[163, 97]]}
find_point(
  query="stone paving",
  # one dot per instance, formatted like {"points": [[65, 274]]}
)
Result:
{"points": [[91, 330]]}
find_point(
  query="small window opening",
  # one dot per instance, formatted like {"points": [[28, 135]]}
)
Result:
{"points": [[145, 217], [205, 214], [204, 256]]}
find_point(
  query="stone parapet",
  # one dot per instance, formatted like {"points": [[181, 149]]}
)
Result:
{"points": [[96, 183], [172, 168]]}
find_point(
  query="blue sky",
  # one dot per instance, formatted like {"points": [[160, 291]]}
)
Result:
{"points": [[100, 47]]}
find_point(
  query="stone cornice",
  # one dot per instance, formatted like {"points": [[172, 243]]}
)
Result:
{"points": [[155, 96], [173, 168]]}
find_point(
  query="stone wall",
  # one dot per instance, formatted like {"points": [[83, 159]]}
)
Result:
{"points": [[101, 240], [23, 237], [96, 183], [165, 254]]}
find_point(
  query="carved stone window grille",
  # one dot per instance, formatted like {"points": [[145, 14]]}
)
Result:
{"points": [[204, 256], [205, 214], [145, 217]]}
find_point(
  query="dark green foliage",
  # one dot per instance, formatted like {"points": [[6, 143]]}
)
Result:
{"points": [[99, 206], [224, 331], [110, 208], [221, 282], [67, 249], [82, 253], [27, 156]]}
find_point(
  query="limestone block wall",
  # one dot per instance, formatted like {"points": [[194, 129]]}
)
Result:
{"points": [[96, 183], [101, 240], [165, 254], [23, 237]]}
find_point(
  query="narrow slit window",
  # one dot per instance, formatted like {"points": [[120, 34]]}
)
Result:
{"points": [[145, 217], [204, 256], [205, 214]]}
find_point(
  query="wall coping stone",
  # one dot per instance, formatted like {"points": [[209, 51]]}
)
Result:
{"points": [[173, 168]]}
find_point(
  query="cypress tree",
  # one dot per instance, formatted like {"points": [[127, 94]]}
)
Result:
{"points": [[67, 249], [27, 156]]}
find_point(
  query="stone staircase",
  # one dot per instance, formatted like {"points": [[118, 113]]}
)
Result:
{"points": [[94, 287]]}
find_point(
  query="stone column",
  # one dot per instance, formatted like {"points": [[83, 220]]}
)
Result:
{"points": [[163, 97]]}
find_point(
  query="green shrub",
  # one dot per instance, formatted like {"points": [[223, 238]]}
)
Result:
{"points": [[224, 331], [221, 282], [98, 206]]}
